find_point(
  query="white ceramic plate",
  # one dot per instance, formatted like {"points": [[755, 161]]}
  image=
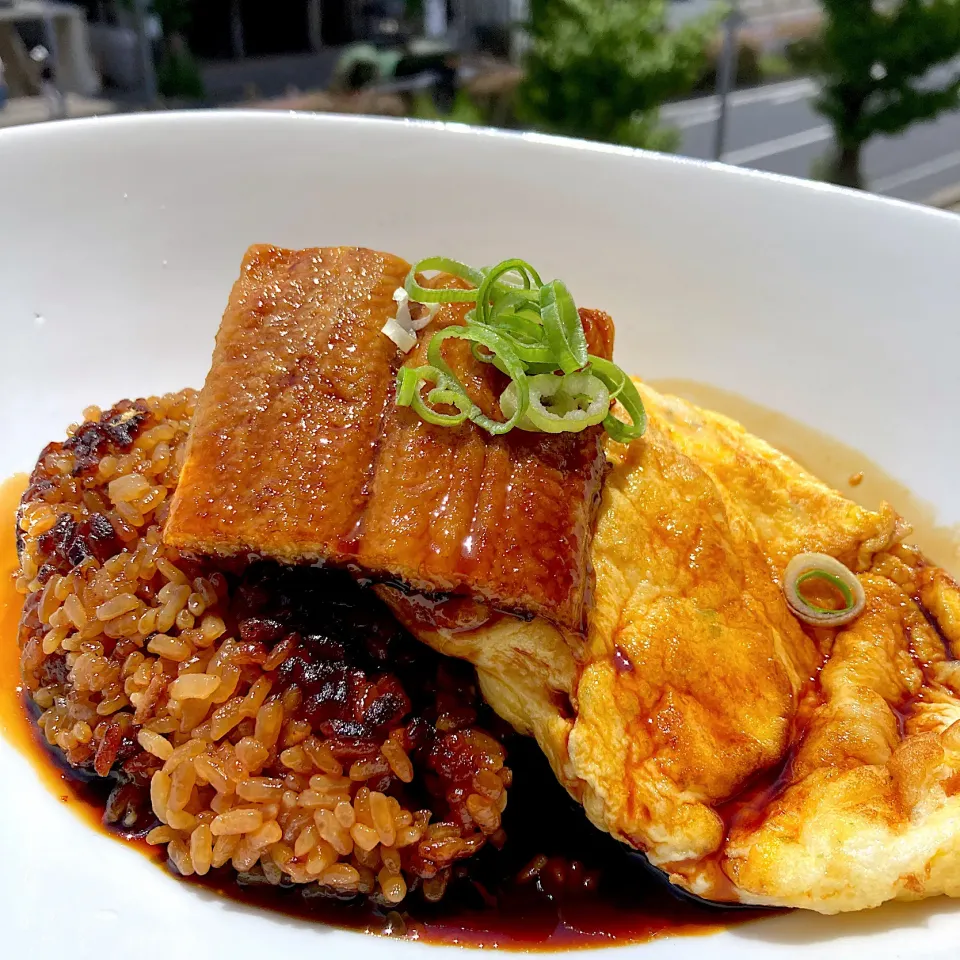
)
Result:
{"points": [[119, 240]]}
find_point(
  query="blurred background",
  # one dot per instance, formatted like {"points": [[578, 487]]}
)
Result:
{"points": [[864, 93]]}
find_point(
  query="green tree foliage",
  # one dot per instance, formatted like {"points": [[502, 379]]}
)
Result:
{"points": [[601, 68], [875, 60], [178, 75], [175, 15]]}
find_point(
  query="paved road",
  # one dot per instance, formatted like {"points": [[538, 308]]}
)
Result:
{"points": [[776, 128]]}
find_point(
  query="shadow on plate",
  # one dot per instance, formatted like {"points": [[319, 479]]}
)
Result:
{"points": [[802, 927], [233, 905], [805, 927]]}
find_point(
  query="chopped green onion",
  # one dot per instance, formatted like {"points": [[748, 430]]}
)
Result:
{"points": [[479, 353], [845, 591], [443, 295], [490, 286], [452, 397], [535, 357], [518, 300], [529, 278], [621, 388], [577, 401], [531, 332], [408, 382], [807, 567], [563, 328], [522, 325], [529, 352], [511, 365], [408, 395]]}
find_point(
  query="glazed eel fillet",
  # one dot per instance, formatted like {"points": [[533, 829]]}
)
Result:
{"points": [[299, 453]]}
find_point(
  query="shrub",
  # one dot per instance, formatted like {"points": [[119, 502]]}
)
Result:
{"points": [[601, 68]]}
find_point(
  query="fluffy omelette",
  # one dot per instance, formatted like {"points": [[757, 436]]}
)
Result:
{"points": [[751, 758]]}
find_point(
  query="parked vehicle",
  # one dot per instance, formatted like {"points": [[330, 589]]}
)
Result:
{"points": [[398, 63]]}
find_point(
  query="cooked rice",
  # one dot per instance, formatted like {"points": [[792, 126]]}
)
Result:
{"points": [[272, 719]]}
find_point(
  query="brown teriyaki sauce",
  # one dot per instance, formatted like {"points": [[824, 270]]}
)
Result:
{"points": [[558, 882]]}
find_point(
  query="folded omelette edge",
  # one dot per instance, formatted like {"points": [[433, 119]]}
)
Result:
{"points": [[751, 758]]}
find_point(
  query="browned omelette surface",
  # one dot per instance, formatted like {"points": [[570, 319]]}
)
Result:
{"points": [[298, 453], [752, 758]]}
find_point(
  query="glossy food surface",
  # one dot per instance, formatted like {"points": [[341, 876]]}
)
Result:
{"points": [[269, 716], [761, 286], [555, 884], [298, 452], [754, 759], [288, 422], [507, 519]]}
